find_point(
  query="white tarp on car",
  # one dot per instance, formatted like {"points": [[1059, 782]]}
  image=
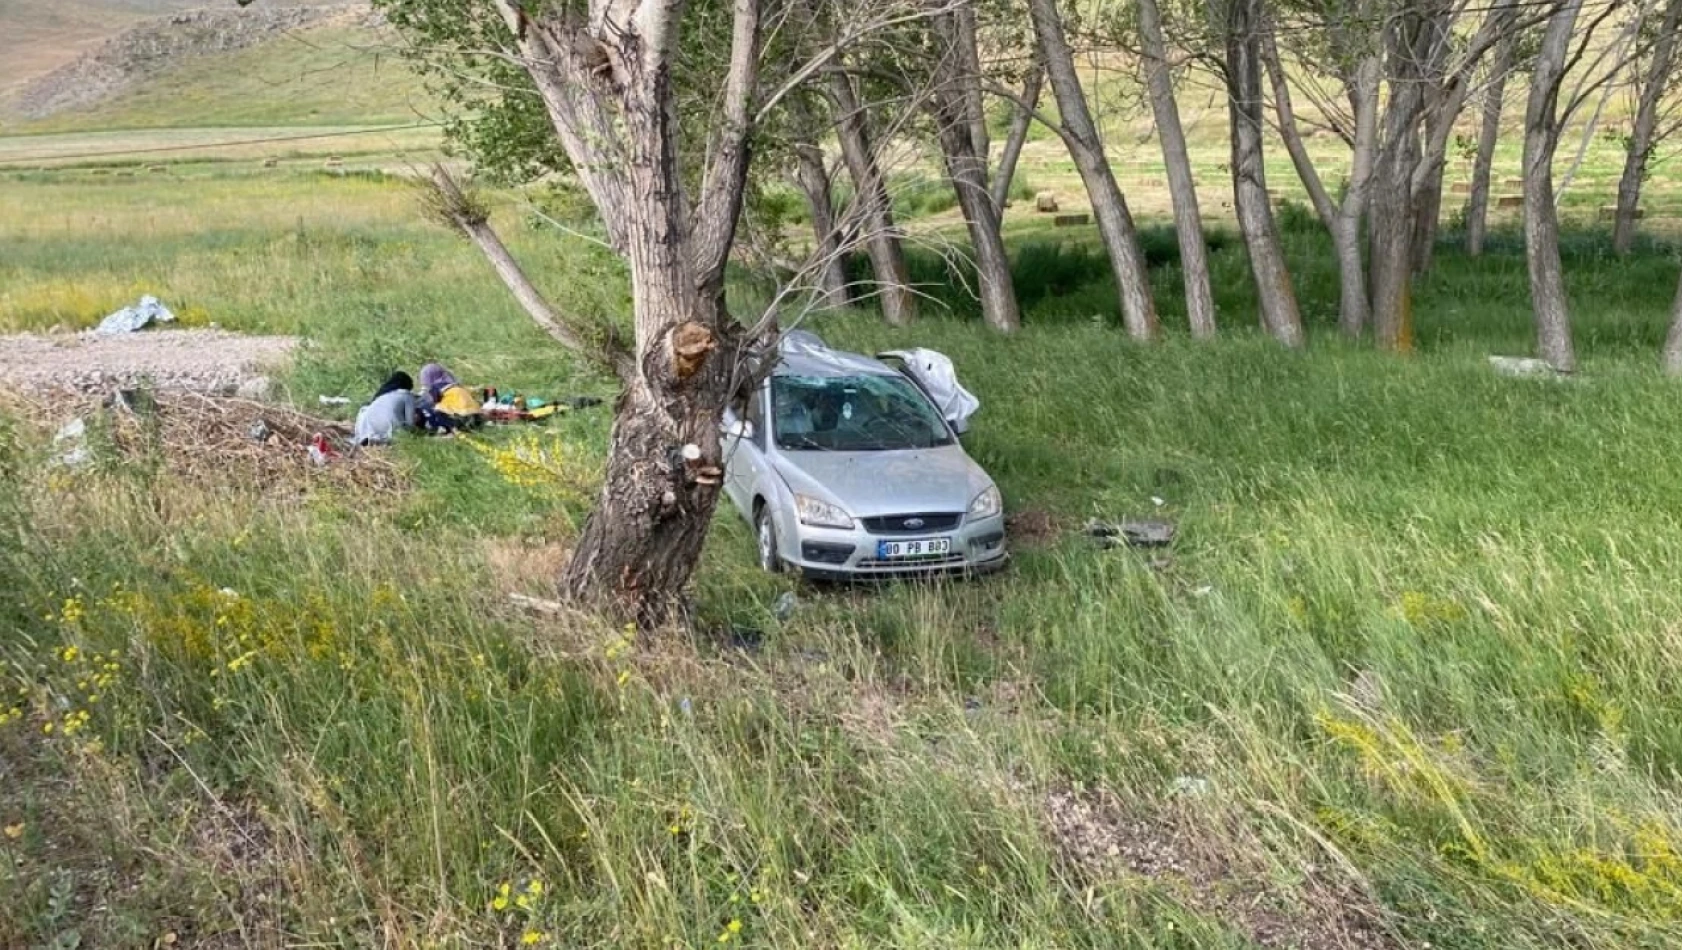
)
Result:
{"points": [[939, 378]]}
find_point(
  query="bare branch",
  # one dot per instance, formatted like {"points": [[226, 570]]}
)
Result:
{"points": [[721, 194], [447, 202]]}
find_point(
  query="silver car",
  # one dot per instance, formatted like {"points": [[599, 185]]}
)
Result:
{"points": [[846, 470]]}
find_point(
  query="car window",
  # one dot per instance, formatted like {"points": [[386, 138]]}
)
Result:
{"points": [[864, 413], [756, 418]]}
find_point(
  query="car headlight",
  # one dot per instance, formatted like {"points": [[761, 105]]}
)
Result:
{"points": [[987, 504], [820, 514]]}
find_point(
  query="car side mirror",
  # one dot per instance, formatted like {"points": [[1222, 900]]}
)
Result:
{"points": [[739, 429]]}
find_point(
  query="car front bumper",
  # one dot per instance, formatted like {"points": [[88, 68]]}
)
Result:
{"points": [[978, 547]]}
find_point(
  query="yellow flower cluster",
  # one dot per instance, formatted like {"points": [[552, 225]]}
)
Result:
{"points": [[525, 900], [538, 465], [1421, 609]]}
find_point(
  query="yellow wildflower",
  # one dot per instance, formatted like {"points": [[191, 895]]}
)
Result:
{"points": [[735, 926], [500, 901], [14, 832], [535, 888], [531, 937], [69, 654]]}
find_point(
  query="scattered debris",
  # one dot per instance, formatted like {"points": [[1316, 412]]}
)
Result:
{"points": [[333, 400], [130, 319], [321, 450], [257, 388], [1191, 786], [537, 605], [785, 606], [582, 402], [259, 431], [1525, 368], [1139, 534], [71, 439]]}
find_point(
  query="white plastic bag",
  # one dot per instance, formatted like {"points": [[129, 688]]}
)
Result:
{"points": [[130, 319]]}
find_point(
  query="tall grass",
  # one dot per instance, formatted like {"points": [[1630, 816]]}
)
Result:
{"points": [[1414, 646]]}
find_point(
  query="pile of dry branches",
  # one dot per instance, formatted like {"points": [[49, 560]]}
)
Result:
{"points": [[217, 440]]}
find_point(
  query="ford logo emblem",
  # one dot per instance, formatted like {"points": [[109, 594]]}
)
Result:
{"points": [[914, 523]]}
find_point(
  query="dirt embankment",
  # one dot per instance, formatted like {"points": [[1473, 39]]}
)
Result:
{"points": [[153, 47]]}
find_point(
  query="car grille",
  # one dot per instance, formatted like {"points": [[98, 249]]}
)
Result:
{"points": [[911, 563], [912, 524]]}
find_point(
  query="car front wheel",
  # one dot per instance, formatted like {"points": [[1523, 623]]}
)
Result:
{"points": [[766, 530]]}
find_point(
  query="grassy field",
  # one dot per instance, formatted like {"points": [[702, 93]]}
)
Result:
{"points": [[1407, 676]]}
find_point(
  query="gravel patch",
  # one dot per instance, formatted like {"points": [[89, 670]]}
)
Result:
{"points": [[212, 361]]}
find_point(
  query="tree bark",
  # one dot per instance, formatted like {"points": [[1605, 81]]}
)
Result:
{"points": [[955, 105], [1021, 117], [1640, 150], [1115, 222], [1541, 221], [1489, 137], [1427, 216], [812, 172], [1291, 134], [1672, 357], [1274, 292], [874, 209], [1182, 186]]}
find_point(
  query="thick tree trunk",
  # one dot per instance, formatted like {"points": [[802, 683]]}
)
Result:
{"points": [[1020, 119], [1115, 222], [1489, 137], [1182, 187], [1672, 357], [874, 209], [1654, 84], [1541, 221], [1274, 292], [955, 105], [812, 173], [1390, 231]]}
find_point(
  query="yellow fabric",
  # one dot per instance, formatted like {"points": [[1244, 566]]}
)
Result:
{"points": [[457, 401]]}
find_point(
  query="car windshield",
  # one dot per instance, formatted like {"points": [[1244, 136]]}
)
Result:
{"points": [[865, 413]]}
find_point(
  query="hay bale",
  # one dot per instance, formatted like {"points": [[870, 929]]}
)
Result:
{"points": [[1509, 201], [334, 161], [1460, 188], [1045, 203], [1608, 212], [1070, 220], [1513, 182], [270, 162], [157, 169]]}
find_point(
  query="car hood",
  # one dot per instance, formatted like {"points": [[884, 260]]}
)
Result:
{"points": [[869, 484]]}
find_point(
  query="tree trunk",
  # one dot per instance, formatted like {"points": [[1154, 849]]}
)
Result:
{"points": [[1427, 216], [1291, 134], [1115, 222], [874, 209], [1641, 143], [1672, 359], [1354, 307], [813, 175], [1489, 136], [955, 105], [1182, 187], [1541, 221], [1274, 292], [1020, 119]]}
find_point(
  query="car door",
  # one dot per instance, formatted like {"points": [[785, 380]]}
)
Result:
{"points": [[745, 453]]}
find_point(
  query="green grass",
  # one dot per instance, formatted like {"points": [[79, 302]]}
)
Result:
{"points": [[1418, 634]]}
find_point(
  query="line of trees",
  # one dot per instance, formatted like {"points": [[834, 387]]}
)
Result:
{"points": [[671, 114]]}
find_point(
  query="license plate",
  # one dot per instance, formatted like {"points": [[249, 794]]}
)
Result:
{"points": [[932, 547]]}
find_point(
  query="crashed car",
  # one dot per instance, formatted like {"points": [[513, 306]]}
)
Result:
{"points": [[848, 470]]}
